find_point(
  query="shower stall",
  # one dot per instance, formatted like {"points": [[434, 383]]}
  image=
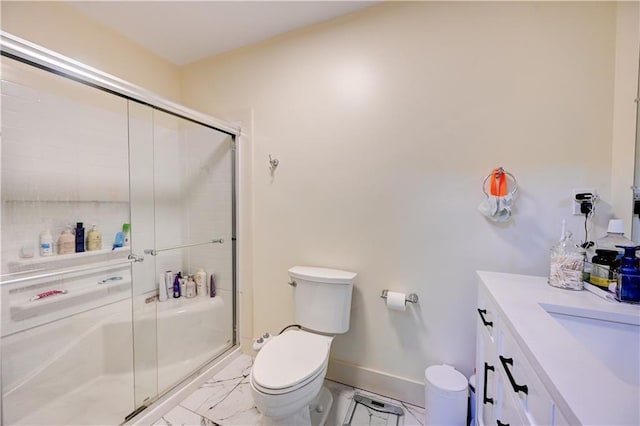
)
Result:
{"points": [[108, 192]]}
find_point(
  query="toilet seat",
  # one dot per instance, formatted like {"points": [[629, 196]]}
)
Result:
{"points": [[290, 361]]}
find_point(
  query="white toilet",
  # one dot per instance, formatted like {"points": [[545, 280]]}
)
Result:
{"points": [[288, 372]]}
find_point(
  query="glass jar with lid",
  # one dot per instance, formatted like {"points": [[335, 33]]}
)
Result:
{"points": [[567, 264]]}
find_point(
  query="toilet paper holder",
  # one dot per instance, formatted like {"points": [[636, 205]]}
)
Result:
{"points": [[411, 297]]}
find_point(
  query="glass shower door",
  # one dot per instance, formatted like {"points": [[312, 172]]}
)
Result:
{"points": [[66, 308], [193, 168], [182, 220]]}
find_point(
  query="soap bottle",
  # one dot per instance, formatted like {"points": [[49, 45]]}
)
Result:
{"points": [[628, 284], [46, 243], [66, 242], [94, 239], [201, 282], [79, 237], [566, 263]]}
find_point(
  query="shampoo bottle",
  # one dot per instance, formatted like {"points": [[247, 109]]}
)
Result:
{"points": [[201, 282], [79, 237], [162, 288], [176, 286], [66, 242], [628, 285], [190, 287], [212, 285], [94, 239], [46, 243]]}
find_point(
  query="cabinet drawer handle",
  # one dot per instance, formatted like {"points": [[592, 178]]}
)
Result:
{"points": [[485, 400], [482, 313], [501, 424], [516, 387]]}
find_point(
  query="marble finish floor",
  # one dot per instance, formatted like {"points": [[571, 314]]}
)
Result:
{"points": [[226, 399]]}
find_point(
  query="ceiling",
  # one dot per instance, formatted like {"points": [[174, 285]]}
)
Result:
{"points": [[186, 31]]}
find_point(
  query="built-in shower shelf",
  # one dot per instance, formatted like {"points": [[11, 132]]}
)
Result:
{"points": [[67, 260], [73, 298]]}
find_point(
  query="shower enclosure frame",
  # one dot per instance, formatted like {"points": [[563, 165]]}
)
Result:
{"points": [[37, 56]]}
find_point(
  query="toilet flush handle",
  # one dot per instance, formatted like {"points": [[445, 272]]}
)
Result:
{"points": [[292, 283]]}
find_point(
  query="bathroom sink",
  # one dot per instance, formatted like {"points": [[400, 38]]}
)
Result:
{"points": [[614, 340]]}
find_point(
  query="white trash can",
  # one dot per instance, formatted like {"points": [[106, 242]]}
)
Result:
{"points": [[472, 400], [445, 392]]}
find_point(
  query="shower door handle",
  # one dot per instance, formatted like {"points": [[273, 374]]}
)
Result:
{"points": [[135, 258]]}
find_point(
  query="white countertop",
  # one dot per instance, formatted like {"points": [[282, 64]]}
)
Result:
{"points": [[584, 389]]}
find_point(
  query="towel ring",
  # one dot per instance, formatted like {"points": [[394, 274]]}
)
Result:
{"points": [[499, 172]]}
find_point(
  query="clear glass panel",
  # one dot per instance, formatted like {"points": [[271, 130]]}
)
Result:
{"points": [[193, 207], [142, 237], [67, 353]]}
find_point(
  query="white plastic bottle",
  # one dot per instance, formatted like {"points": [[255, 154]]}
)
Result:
{"points": [[162, 288], [191, 287], [66, 242], [46, 243], [201, 282]]}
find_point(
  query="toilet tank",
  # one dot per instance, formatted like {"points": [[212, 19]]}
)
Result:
{"points": [[322, 298]]}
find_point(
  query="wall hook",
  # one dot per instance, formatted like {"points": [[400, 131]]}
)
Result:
{"points": [[273, 163]]}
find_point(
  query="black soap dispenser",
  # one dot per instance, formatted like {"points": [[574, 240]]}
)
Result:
{"points": [[79, 231]]}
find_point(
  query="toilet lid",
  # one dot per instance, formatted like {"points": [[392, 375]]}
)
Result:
{"points": [[290, 358]]}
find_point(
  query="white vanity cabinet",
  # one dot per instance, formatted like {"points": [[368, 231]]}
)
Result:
{"points": [[485, 360], [508, 392], [550, 356]]}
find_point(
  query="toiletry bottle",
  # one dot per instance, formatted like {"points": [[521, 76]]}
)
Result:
{"points": [[190, 287], [66, 242], [212, 285], [162, 288], [126, 230], [168, 282], [566, 263], [183, 286], [176, 286], [94, 239], [614, 238], [119, 241], [46, 243], [79, 237], [201, 280], [603, 266], [628, 285]]}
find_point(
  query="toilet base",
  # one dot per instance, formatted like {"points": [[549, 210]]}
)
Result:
{"points": [[320, 407], [314, 414]]}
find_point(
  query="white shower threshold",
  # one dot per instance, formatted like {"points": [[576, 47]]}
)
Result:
{"points": [[100, 401]]}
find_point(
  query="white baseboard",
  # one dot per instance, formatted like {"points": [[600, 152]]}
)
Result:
{"points": [[394, 387]]}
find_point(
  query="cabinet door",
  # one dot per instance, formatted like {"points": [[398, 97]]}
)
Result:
{"points": [[523, 382], [508, 409], [485, 360]]}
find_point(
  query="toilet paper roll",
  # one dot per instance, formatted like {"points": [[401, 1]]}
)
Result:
{"points": [[396, 301]]}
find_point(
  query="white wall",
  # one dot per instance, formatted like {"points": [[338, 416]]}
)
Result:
{"points": [[59, 27], [385, 123]]}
